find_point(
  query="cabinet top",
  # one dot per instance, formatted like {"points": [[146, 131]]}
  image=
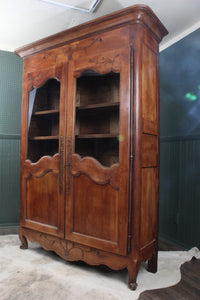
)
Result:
{"points": [[140, 14]]}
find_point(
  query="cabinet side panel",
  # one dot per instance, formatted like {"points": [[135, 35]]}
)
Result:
{"points": [[150, 150], [149, 206], [149, 90], [150, 142]]}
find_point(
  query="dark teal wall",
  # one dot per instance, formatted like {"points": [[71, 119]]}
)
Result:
{"points": [[10, 116], [180, 142]]}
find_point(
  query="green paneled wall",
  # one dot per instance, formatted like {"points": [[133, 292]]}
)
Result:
{"points": [[10, 123], [180, 142]]}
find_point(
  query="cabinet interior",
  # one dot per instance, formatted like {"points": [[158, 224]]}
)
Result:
{"points": [[43, 121], [97, 116]]}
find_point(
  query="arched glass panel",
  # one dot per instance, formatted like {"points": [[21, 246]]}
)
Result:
{"points": [[43, 120], [97, 116]]}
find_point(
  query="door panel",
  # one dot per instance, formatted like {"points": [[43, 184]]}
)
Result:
{"points": [[90, 216], [98, 151], [42, 197]]}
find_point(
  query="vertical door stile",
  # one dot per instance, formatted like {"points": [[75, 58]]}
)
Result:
{"points": [[69, 146]]}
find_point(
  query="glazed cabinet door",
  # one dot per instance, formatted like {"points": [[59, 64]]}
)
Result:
{"points": [[97, 145], [42, 150]]}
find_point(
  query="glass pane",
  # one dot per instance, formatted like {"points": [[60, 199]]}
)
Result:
{"points": [[97, 116], [43, 120]]}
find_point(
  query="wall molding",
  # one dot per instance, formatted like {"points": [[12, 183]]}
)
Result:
{"points": [[10, 136], [164, 139], [9, 230], [177, 38]]}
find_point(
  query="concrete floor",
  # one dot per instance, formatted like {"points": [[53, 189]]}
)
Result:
{"points": [[37, 274]]}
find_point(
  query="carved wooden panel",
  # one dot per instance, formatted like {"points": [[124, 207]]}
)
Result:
{"points": [[42, 201], [40, 168], [102, 64], [37, 79], [95, 171], [101, 200], [96, 44], [71, 251]]}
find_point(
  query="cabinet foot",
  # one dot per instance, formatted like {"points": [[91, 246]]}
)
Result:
{"points": [[152, 264], [132, 286], [23, 240], [133, 269]]}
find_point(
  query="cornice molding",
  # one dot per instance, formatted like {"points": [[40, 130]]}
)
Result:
{"points": [[139, 14]]}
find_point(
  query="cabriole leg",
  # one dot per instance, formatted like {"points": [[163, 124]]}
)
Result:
{"points": [[23, 240], [133, 269]]}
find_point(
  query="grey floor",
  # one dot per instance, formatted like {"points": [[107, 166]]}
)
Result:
{"points": [[38, 274]]}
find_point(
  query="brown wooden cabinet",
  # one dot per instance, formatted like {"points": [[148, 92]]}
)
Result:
{"points": [[90, 141]]}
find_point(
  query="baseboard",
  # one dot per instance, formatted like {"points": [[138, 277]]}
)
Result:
{"points": [[9, 230], [164, 245]]}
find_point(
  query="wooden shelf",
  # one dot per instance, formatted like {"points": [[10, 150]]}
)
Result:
{"points": [[96, 136], [98, 105], [46, 112], [40, 138]]}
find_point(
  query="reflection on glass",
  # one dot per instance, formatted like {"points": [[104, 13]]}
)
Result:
{"points": [[190, 97], [43, 122]]}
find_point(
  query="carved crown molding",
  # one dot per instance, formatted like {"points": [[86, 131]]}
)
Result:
{"points": [[140, 14]]}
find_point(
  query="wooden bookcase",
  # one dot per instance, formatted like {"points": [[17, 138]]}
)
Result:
{"points": [[90, 141]]}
